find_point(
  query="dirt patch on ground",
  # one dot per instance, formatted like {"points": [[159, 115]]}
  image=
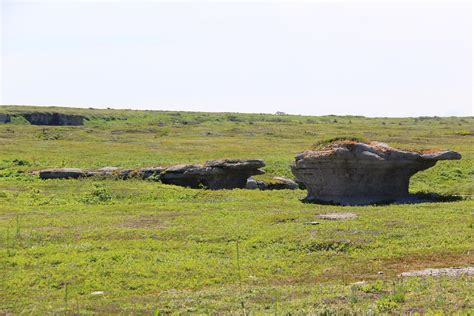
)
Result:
{"points": [[337, 216], [143, 222], [422, 262], [159, 220], [452, 272]]}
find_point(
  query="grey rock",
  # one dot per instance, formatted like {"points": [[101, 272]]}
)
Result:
{"points": [[108, 170], [262, 185], [53, 118], [114, 172], [282, 183], [214, 174], [62, 173], [351, 173], [5, 118], [251, 184], [149, 172]]}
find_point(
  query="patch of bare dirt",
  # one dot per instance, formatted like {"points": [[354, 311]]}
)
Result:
{"points": [[337, 216], [452, 272]]}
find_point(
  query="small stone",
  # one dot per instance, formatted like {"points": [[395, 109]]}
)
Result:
{"points": [[311, 223], [282, 183], [251, 184], [98, 293]]}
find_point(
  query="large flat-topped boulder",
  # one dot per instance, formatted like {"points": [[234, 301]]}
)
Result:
{"points": [[355, 173], [214, 174]]}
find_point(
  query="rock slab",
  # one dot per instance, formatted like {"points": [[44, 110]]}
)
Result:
{"points": [[53, 118], [214, 174], [5, 118], [61, 173], [354, 173]]}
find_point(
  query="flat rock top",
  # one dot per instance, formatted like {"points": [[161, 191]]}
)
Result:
{"points": [[235, 164], [373, 151], [182, 168], [336, 216], [64, 170]]}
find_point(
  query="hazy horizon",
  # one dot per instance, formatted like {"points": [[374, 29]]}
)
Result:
{"points": [[388, 59]]}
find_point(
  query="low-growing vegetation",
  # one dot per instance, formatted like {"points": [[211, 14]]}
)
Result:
{"points": [[109, 246]]}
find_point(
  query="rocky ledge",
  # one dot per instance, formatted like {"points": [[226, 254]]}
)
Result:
{"points": [[214, 174], [354, 173]]}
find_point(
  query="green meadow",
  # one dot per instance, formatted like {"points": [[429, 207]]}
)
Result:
{"points": [[105, 246]]}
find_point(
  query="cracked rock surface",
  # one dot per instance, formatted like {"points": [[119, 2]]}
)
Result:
{"points": [[214, 174], [354, 173]]}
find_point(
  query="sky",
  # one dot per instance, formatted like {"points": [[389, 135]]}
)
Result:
{"points": [[400, 58]]}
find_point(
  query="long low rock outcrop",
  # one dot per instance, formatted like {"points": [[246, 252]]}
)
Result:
{"points": [[354, 173], [5, 118], [53, 118], [214, 175]]}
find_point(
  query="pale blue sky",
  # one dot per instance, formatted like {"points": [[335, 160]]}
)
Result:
{"points": [[362, 58]]}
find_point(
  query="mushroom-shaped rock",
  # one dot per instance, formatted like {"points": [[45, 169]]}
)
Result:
{"points": [[214, 175], [353, 173]]}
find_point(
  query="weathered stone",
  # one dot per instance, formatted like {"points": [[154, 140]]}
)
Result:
{"points": [[183, 175], [352, 173], [114, 172], [4, 118], [149, 172], [251, 184], [282, 183], [63, 173], [53, 118], [108, 170], [262, 185], [214, 175]]}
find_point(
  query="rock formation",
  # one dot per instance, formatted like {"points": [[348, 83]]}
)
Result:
{"points": [[61, 173], [214, 174], [47, 118], [111, 172], [353, 173], [4, 118], [282, 183]]}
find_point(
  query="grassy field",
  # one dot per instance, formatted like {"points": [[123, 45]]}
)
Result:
{"points": [[149, 248]]}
